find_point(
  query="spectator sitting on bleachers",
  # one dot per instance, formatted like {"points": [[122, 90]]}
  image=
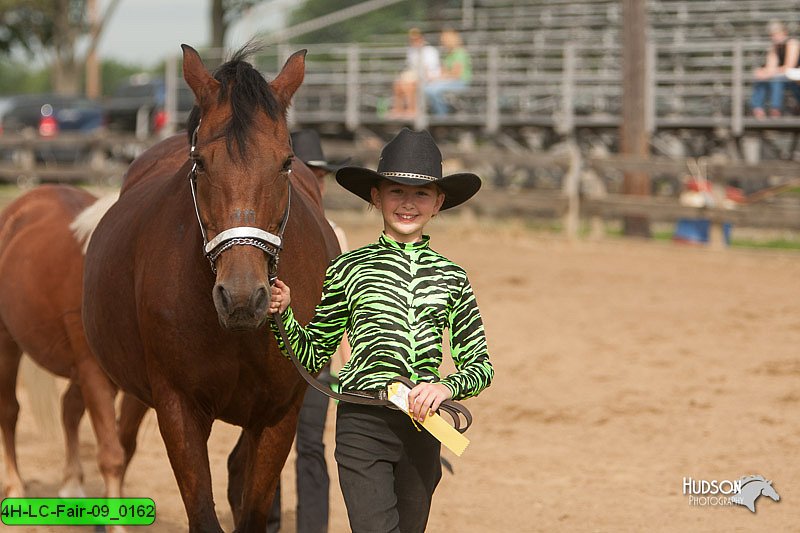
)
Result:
{"points": [[456, 72], [405, 87], [784, 54]]}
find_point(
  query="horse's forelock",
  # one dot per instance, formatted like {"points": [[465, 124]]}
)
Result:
{"points": [[248, 93]]}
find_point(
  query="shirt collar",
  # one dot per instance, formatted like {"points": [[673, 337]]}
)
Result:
{"points": [[388, 242]]}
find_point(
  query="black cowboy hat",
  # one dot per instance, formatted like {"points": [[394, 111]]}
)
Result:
{"points": [[411, 158], [308, 148]]}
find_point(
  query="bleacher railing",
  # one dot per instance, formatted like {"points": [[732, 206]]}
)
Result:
{"points": [[698, 85], [575, 85]]}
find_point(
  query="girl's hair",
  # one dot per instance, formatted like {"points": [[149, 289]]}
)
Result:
{"points": [[776, 26], [453, 36], [378, 183]]}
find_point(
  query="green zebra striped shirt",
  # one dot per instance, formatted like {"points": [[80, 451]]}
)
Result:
{"points": [[395, 300]]}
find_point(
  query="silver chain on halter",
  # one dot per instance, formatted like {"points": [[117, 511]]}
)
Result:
{"points": [[269, 243]]}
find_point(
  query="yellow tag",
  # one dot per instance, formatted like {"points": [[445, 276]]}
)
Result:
{"points": [[435, 424]]}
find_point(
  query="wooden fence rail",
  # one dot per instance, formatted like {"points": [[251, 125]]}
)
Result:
{"points": [[102, 166], [100, 158]]}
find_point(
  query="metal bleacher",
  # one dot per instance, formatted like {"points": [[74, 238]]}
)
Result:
{"points": [[557, 64]]}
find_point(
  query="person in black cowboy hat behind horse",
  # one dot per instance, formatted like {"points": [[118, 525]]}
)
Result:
{"points": [[308, 147], [394, 298], [310, 466]]}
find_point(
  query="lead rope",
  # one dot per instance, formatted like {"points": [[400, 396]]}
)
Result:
{"points": [[457, 412]]}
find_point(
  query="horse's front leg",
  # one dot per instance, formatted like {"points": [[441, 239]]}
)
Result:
{"points": [[266, 454], [185, 428]]}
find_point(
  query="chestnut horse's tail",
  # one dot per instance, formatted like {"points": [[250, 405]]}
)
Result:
{"points": [[42, 393], [84, 224]]}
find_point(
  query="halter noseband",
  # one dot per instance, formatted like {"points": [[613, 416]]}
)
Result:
{"points": [[269, 243]]}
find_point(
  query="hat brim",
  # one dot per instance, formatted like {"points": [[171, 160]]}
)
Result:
{"points": [[457, 188], [330, 167]]}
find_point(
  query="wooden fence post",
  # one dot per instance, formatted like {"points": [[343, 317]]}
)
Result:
{"points": [[737, 93], [421, 118], [467, 13], [571, 188], [634, 138], [492, 89], [650, 89], [171, 95], [352, 106], [566, 122]]}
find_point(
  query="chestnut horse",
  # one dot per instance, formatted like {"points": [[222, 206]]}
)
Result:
{"points": [[177, 281], [41, 271]]}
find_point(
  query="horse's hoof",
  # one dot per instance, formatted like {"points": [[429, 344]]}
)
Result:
{"points": [[71, 489], [14, 491]]}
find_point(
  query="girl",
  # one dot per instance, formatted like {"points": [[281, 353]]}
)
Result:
{"points": [[394, 298]]}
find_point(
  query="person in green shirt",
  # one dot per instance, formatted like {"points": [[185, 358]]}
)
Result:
{"points": [[456, 73], [394, 298]]}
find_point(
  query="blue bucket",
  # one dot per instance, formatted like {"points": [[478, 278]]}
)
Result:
{"points": [[697, 230]]}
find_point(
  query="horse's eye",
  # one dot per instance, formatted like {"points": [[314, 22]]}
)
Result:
{"points": [[198, 164], [287, 165]]}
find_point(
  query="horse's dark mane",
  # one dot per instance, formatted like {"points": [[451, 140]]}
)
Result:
{"points": [[249, 93]]}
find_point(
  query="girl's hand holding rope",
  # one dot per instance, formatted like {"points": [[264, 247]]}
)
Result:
{"points": [[425, 398], [280, 297]]}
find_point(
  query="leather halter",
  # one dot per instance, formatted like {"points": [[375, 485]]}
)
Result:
{"points": [[269, 243]]}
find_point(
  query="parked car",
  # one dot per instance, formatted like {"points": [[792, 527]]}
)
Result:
{"points": [[49, 115], [138, 106]]}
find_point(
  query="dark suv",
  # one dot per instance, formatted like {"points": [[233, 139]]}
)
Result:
{"points": [[48, 116], [138, 106]]}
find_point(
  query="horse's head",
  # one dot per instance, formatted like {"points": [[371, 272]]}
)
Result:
{"points": [[241, 159], [768, 490]]}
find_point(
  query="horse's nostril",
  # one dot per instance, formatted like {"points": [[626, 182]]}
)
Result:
{"points": [[259, 300], [223, 298]]}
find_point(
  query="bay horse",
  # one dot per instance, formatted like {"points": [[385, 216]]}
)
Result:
{"points": [[177, 280], [41, 272]]}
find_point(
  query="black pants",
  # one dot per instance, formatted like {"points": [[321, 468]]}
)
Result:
{"points": [[312, 472], [388, 469]]}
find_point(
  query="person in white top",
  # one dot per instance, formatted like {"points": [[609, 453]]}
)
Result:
{"points": [[422, 59]]}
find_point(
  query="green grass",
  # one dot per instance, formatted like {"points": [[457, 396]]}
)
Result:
{"points": [[772, 244], [665, 235]]}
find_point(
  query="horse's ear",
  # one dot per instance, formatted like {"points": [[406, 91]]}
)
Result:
{"points": [[202, 83], [291, 76]]}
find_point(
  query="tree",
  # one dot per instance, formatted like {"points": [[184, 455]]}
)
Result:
{"points": [[223, 14], [17, 77], [52, 28], [49, 27], [24, 24], [69, 24]]}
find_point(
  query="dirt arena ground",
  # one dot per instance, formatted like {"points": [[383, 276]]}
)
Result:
{"points": [[622, 367]]}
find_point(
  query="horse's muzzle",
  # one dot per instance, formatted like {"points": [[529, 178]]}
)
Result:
{"points": [[238, 311]]}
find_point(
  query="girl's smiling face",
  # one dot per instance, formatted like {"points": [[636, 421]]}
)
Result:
{"points": [[406, 208]]}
